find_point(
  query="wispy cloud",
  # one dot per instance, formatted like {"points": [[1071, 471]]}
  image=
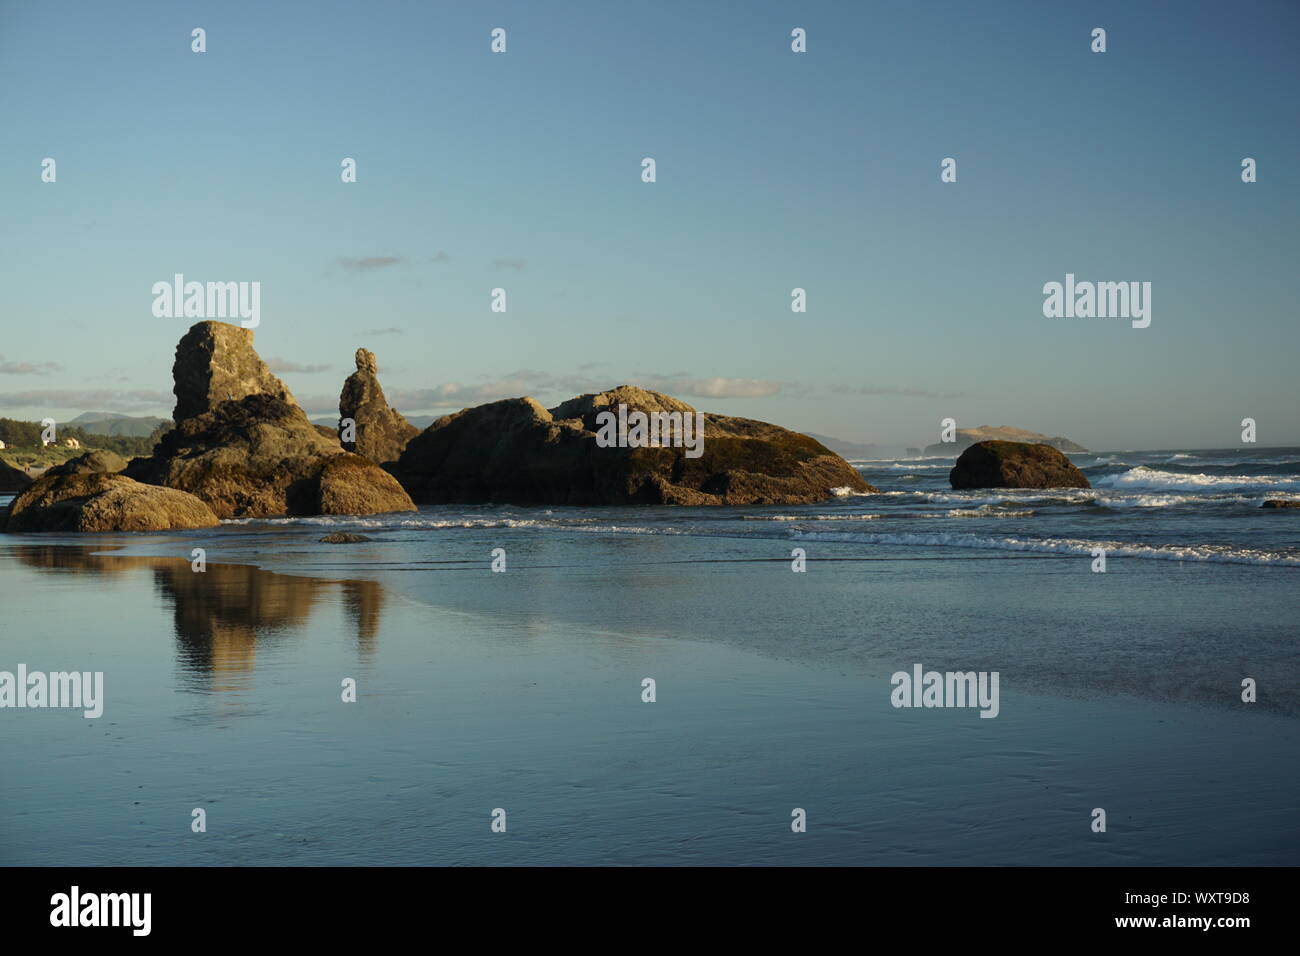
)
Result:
{"points": [[28, 368], [367, 264], [685, 385], [439, 256], [95, 399], [902, 392], [537, 383], [280, 366], [387, 331], [517, 264]]}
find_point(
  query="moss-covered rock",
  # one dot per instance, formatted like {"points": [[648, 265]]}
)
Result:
{"points": [[1014, 464], [516, 451], [101, 461], [100, 502], [244, 445]]}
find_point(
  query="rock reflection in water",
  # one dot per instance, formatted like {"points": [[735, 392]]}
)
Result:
{"points": [[222, 614]]}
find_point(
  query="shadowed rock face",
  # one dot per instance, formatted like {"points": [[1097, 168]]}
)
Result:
{"points": [[12, 479], [381, 431], [1014, 464], [98, 462], [243, 445], [516, 451], [100, 502]]}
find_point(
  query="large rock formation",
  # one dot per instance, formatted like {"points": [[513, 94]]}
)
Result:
{"points": [[243, 445], [382, 433], [966, 437], [519, 452], [12, 480], [102, 502], [1015, 464], [98, 462]]}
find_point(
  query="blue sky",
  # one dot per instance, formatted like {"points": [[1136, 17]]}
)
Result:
{"points": [[775, 170]]}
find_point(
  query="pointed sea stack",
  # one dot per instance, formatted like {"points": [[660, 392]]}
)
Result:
{"points": [[382, 433], [243, 445]]}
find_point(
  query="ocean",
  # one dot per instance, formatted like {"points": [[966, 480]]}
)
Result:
{"points": [[522, 690]]}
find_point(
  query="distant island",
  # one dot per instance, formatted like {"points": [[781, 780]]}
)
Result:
{"points": [[969, 436]]}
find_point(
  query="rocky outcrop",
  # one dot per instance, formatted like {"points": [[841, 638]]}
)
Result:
{"points": [[516, 451], [243, 445], [1281, 503], [12, 480], [102, 502], [1015, 464], [382, 434], [98, 462], [965, 437]]}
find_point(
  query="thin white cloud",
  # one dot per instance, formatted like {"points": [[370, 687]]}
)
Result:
{"points": [[280, 366], [28, 368]]}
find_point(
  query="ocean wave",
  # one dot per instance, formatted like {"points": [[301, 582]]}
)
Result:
{"points": [[845, 517], [392, 522], [1153, 478], [987, 511], [1216, 554], [844, 491], [906, 466]]}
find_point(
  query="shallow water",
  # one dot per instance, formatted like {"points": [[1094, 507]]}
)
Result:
{"points": [[522, 690]]}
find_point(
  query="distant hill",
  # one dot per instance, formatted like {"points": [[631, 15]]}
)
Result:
{"points": [[111, 423], [857, 450], [969, 436]]}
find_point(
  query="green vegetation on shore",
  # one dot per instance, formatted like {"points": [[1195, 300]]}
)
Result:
{"points": [[23, 446]]}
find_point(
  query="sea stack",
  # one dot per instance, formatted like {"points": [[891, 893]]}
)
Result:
{"points": [[1015, 464], [244, 446], [516, 451], [382, 433]]}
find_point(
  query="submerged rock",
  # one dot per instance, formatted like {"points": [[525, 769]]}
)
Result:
{"points": [[1014, 464], [516, 451], [1281, 503], [104, 502], [382, 433], [243, 445], [343, 537]]}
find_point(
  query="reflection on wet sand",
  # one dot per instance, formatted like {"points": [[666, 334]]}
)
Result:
{"points": [[221, 614]]}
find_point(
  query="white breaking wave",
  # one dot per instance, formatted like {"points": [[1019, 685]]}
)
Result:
{"points": [[1153, 478], [810, 517], [947, 466], [1218, 554], [844, 491]]}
